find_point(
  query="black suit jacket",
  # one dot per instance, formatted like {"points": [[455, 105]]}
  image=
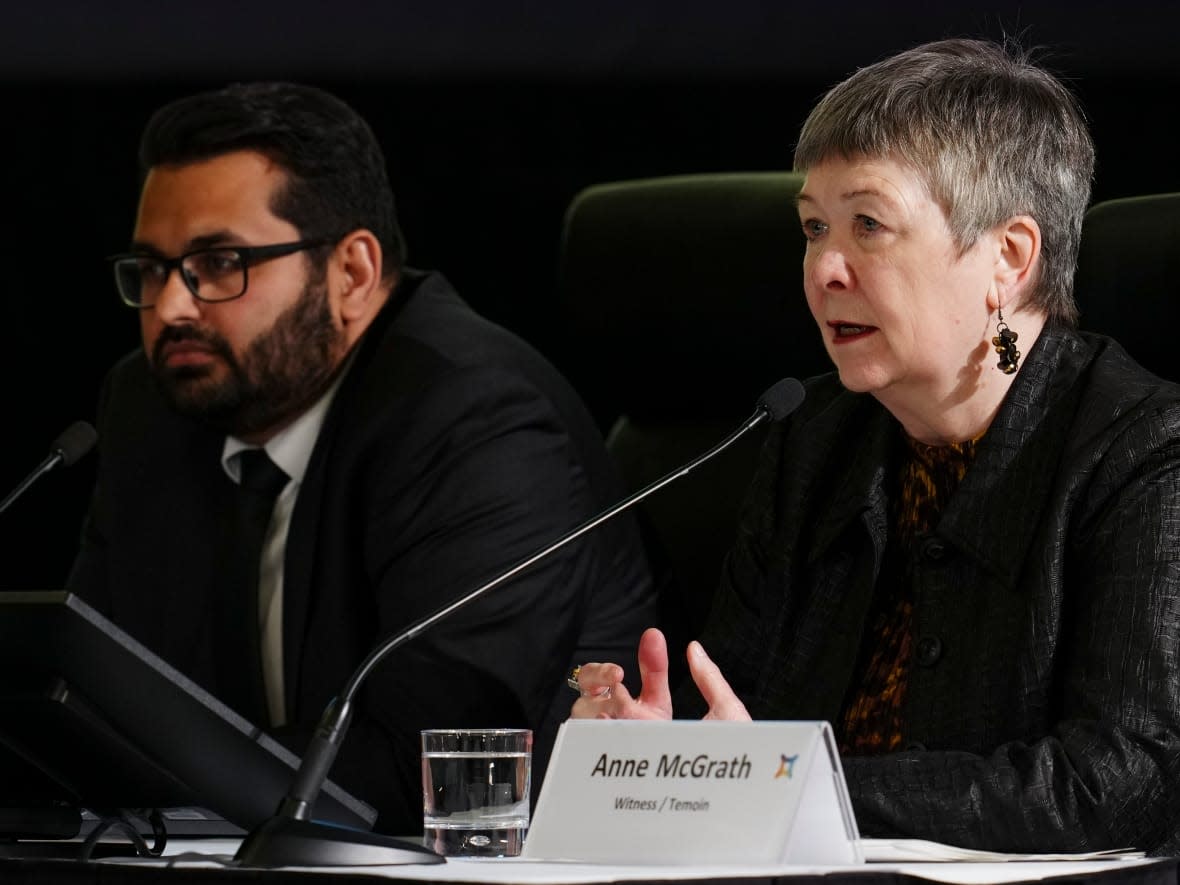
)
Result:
{"points": [[1043, 702], [451, 451]]}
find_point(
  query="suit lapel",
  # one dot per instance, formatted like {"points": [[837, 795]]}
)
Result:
{"points": [[994, 514], [858, 488], [820, 619], [308, 532], [198, 497]]}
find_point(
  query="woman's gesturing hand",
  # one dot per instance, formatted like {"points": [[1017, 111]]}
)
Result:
{"points": [[604, 696]]}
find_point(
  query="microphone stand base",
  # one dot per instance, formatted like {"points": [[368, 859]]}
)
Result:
{"points": [[289, 842]]}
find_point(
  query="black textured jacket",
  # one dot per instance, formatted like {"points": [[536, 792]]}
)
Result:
{"points": [[1043, 708]]}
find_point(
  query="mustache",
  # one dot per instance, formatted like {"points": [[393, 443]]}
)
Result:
{"points": [[180, 334]]}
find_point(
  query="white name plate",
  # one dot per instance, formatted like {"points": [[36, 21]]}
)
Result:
{"points": [[683, 792]]}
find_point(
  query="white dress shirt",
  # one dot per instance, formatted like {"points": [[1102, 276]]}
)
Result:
{"points": [[290, 449]]}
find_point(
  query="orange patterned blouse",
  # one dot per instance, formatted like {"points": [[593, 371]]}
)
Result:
{"points": [[871, 721]]}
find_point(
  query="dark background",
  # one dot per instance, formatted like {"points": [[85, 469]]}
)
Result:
{"points": [[493, 115]]}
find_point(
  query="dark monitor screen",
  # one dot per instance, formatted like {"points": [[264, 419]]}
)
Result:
{"points": [[90, 718]]}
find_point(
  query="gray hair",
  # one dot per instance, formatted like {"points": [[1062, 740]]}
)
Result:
{"points": [[992, 134]]}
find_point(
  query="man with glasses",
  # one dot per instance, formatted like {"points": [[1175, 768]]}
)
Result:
{"points": [[317, 446]]}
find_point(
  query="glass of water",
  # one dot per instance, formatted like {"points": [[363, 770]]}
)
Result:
{"points": [[475, 790]]}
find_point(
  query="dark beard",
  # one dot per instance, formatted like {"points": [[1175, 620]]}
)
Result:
{"points": [[283, 371]]}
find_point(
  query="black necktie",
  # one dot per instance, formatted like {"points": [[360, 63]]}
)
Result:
{"points": [[239, 656]]}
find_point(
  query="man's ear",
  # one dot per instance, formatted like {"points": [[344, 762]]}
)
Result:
{"points": [[1017, 260], [356, 290]]}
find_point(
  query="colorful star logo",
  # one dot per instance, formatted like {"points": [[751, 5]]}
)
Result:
{"points": [[786, 768]]}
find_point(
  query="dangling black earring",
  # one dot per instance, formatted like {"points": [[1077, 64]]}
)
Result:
{"points": [[1005, 342]]}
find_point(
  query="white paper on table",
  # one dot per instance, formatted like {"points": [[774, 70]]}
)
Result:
{"points": [[909, 850], [515, 871]]}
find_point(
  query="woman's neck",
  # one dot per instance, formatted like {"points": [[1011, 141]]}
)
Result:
{"points": [[965, 405]]}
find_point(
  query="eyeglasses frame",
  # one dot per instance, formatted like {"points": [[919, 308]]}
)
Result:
{"points": [[250, 255]]}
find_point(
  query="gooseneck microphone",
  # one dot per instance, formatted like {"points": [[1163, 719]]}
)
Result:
{"points": [[73, 442], [291, 838]]}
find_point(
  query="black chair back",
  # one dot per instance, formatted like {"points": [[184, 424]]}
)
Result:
{"points": [[683, 301], [1128, 279]]}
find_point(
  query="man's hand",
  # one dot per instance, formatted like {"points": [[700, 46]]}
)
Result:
{"points": [[605, 697]]}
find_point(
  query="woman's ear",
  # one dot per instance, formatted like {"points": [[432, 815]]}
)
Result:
{"points": [[1017, 259]]}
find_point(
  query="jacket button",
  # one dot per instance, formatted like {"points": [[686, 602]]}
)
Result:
{"points": [[929, 651], [934, 549]]}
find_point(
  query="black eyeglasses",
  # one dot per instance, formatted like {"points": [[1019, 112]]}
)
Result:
{"points": [[215, 274]]}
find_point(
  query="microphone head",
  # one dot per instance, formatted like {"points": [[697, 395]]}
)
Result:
{"points": [[782, 398], [74, 442]]}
